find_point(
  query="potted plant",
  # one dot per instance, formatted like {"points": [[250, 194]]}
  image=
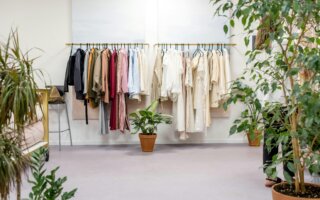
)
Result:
{"points": [[147, 120], [250, 118], [18, 101], [288, 40], [47, 185]]}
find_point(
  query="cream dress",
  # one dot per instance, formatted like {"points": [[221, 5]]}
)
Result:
{"points": [[189, 97], [199, 99], [214, 80]]}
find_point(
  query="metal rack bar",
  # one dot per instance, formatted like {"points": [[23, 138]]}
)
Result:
{"points": [[106, 43], [195, 44]]}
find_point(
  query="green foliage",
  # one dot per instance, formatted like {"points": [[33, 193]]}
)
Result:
{"points": [[18, 101], [287, 61], [250, 119], [147, 119], [12, 163], [46, 186], [18, 95]]}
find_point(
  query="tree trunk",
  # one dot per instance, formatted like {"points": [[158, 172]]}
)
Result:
{"points": [[299, 176], [18, 185]]}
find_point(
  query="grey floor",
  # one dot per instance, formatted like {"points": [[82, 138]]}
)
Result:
{"points": [[186, 172]]}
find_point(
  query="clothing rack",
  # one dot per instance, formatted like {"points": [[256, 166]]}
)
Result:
{"points": [[105, 43], [195, 44]]}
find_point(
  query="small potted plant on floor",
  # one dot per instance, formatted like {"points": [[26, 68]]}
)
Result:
{"points": [[250, 120], [147, 120], [288, 40]]}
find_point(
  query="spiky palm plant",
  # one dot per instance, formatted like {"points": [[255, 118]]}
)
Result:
{"points": [[18, 99]]}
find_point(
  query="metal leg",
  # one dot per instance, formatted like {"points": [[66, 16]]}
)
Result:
{"points": [[59, 127], [68, 124]]}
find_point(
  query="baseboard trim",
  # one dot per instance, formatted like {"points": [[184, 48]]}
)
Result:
{"points": [[99, 142]]}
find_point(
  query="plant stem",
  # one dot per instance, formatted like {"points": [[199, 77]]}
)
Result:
{"points": [[18, 185]]}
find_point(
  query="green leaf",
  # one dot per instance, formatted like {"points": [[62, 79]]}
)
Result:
{"points": [[134, 115], [291, 167], [244, 20], [153, 106], [246, 41], [287, 177], [293, 71], [225, 29], [309, 122], [257, 104], [232, 23], [233, 129]]}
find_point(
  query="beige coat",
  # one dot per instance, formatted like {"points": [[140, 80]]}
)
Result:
{"points": [[157, 76]]}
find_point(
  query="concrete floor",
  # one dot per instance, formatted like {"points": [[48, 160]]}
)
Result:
{"points": [[188, 172]]}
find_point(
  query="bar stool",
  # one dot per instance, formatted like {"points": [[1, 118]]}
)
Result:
{"points": [[56, 98]]}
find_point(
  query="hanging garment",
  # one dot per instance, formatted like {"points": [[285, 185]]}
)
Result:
{"points": [[97, 77], [103, 118], [92, 95], [85, 73], [78, 73], [105, 59], [69, 79], [113, 91], [222, 76], [143, 72], [173, 67], [206, 88], [157, 76], [199, 99], [214, 80], [183, 134], [119, 60], [134, 76], [122, 89], [165, 76], [90, 60], [189, 97], [227, 71]]}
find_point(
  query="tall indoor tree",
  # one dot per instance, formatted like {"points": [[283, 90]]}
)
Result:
{"points": [[288, 48], [18, 99]]}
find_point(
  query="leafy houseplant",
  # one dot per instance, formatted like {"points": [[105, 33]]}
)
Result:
{"points": [[289, 39], [46, 186], [18, 99], [147, 120], [250, 119]]}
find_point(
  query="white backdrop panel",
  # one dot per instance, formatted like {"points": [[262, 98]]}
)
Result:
{"points": [[190, 21], [108, 20]]}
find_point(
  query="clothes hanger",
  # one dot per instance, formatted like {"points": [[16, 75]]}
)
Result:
{"points": [[221, 49], [71, 49], [196, 51], [217, 50]]}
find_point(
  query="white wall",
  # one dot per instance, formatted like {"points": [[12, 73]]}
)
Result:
{"points": [[46, 24]]}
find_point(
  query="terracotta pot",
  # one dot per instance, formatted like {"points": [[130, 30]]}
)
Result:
{"points": [[147, 142], [255, 141], [279, 196]]}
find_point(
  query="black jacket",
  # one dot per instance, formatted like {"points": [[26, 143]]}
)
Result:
{"points": [[69, 79], [78, 74]]}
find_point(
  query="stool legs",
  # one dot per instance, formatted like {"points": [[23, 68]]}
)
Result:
{"points": [[68, 124], [59, 126], [59, 123]]}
